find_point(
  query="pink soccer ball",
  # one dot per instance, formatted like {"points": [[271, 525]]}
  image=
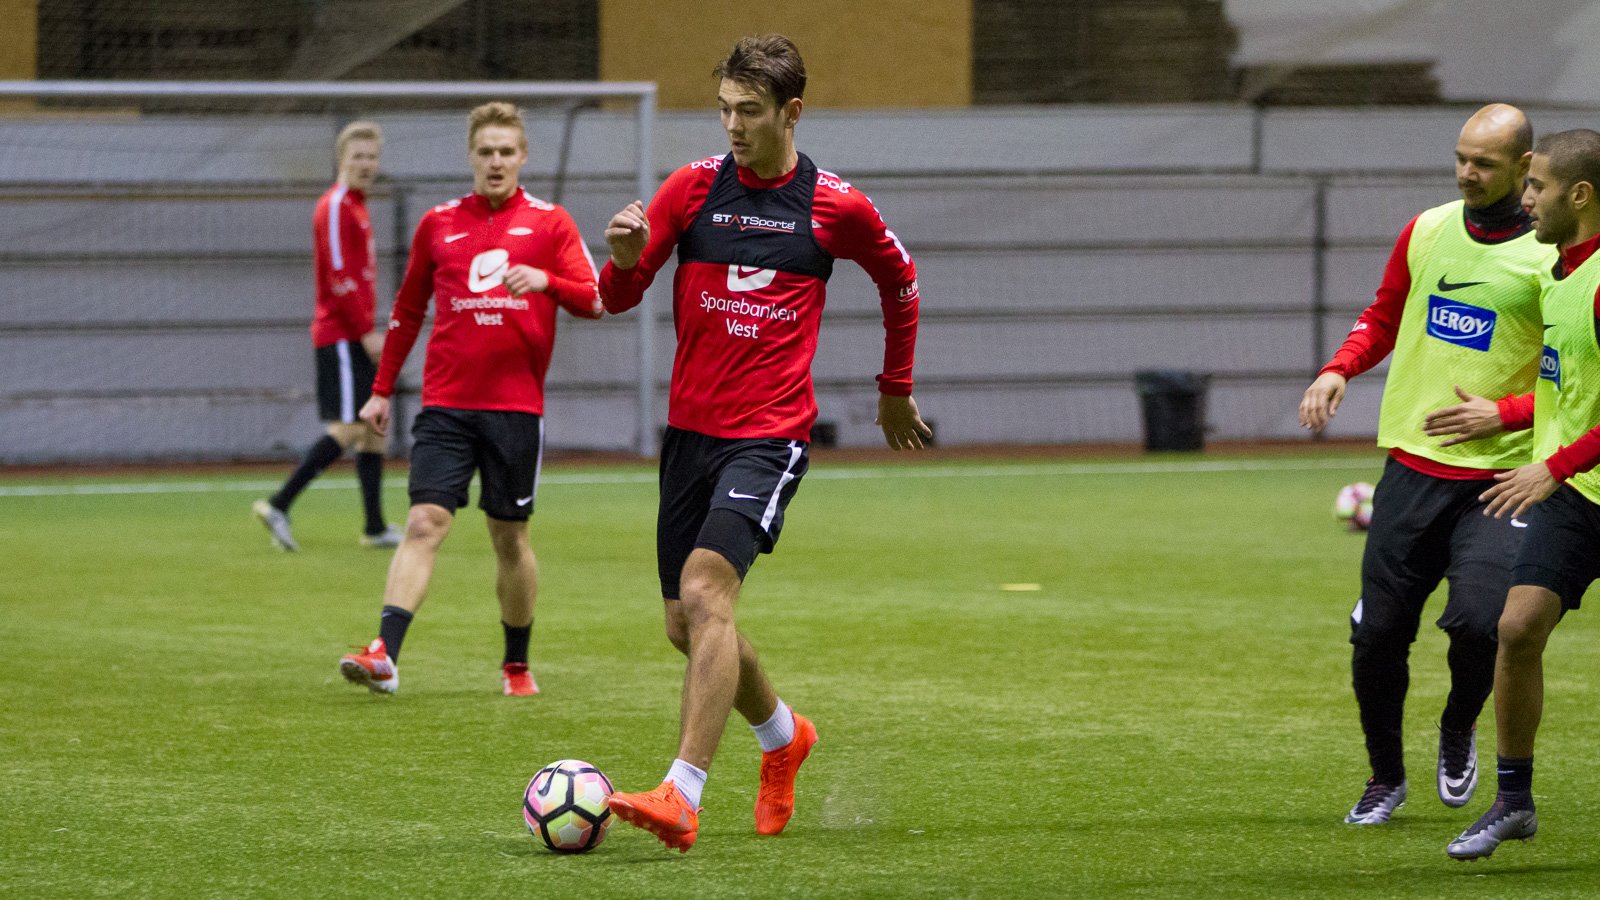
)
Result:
{"points": [[1353, 505], [565, 806]]}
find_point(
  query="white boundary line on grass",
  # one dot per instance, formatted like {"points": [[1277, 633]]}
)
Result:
{"points": [[1017, 470]]}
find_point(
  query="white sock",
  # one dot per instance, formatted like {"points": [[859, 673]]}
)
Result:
{"points": [[778, 731], [689, 781]]}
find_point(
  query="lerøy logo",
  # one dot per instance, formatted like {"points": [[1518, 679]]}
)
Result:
{"points": [[1550, 366], [747, 278], [1460, 323], [488, 270]]}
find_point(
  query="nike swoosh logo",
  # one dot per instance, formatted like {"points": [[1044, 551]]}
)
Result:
{"points": [[525, 500], [1548, 327], [1447, 286], [456, 237], [735, 495], [1518, 523]]}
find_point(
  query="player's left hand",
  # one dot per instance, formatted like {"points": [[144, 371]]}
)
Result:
{"points": [[902, 425], [1518, 490], [1473, 418], [526, 280]]}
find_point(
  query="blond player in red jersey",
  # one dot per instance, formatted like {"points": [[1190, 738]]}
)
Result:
{"points": [[347, 346], [756, 234], [497, 263]]}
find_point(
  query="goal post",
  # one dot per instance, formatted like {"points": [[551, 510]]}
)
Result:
{"points": [[55, 108]]}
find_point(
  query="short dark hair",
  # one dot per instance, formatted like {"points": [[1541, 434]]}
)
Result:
{"points": [[770, 63], [1574, 156]]}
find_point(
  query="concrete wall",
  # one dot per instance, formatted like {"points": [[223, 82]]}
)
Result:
{"points": [[155, 281]]}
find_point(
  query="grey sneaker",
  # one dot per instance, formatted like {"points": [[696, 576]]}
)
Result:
{"points": [[1377, 803], [387, 539], [277, 525], [1458, 765], [1500, 823]]}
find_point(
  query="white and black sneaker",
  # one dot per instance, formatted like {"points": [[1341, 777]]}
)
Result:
{"points": [[1458, 765], [1500, 823], [1377, 803]]}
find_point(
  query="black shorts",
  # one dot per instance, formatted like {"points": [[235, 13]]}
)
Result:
{"points": [[505, 448], [1426, 529], [722, 494], [1562, 550], [344, 380]]}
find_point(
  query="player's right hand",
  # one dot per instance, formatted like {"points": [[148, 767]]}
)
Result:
{"points": [[375, 412], [627, 233], [1321, 401], [1473, 418]]}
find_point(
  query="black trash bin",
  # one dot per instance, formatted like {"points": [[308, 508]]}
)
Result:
{"points": [[1174, 406]]}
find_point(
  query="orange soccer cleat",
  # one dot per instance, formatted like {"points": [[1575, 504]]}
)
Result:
{"points": [[775, 801], [663, 812], [517, 680], [371, 668]]}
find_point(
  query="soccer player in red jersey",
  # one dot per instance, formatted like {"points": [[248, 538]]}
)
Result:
{"points": [[497, 263], [346, 344], [756, 233]]}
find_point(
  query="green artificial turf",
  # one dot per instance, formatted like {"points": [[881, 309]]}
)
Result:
{"points": [[1169, 714]]}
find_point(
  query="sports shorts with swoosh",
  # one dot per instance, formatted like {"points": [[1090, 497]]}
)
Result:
{"points": [[504, 448], [727, 495], [1561, 549]]}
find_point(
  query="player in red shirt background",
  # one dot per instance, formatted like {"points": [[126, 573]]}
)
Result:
{"points": [[756, 234], [497, 263], [346, 344]]}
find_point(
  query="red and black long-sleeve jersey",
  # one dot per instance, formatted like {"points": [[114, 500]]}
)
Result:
{"points": [[747, 299]]}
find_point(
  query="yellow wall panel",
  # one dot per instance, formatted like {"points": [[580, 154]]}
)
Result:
{"points": [[19, 37], [858, 53]]}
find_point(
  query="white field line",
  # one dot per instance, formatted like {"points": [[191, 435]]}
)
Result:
{"points": [[1018, 470]]}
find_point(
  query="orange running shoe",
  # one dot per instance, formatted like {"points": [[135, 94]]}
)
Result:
{"points": [[371, 668], [663, 812], [517, 680], [775, 800]]}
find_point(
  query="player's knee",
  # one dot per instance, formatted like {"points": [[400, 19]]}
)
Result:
{"points": [[678, 632], [347, 434], [510, 540], [1520, 632], [704, 609], [427, 524]]}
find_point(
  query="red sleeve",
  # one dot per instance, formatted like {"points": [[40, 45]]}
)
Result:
{"points": [[861, 235], [410, 308], [1375, 330], [353, 308], [1582, 454], [1516, 412], [572, 279], [669, 212]]}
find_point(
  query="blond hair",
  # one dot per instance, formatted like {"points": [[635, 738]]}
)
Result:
{"points": [[500, 114], [359, 130]]}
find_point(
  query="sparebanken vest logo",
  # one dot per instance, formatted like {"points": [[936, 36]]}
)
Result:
{"points": [[746, 278], [488, 270]]}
